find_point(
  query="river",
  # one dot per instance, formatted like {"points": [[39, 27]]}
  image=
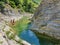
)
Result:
{"points": [[29, 36]]}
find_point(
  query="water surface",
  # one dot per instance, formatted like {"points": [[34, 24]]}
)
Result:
{"points": [[30, 37]]}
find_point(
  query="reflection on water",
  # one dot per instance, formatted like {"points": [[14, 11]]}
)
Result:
{"points": [[45, 42], [30, 37]]}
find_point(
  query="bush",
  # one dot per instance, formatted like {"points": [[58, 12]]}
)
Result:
{"points": [[12, 4], [29, 6], [17, 2], [20, 7], [2, 6], [20, 25], [23, 5], [5, 1]]}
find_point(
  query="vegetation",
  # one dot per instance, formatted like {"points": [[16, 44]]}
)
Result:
{"points": [[1, 42], [12, 4], [37, 1], [23, 5], [1, 6], [21, 25], [9, 35]]}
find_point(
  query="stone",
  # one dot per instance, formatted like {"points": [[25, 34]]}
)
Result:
{"points": [[47, 19], [7, 34]]}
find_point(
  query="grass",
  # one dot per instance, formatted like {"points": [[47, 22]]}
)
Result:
{"points": [[20, 25]]}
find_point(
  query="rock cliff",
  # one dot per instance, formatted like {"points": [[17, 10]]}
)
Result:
{"points": [[7, 35], [46, 20]]}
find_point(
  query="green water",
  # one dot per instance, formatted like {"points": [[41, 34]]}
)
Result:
{"points": [[45, 42]]}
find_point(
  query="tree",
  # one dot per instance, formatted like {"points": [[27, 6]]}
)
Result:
{"points": [[12, 4], [1, 6], [5, 1]]}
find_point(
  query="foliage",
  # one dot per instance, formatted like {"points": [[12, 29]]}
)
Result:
{"points": [[20, 25], [5, 1], [12, 4], [1, 6], [37, 1], [29, 6], [20, 7], [23, 5]]}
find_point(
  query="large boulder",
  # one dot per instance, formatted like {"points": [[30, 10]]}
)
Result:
{"points": [[46, 20]]}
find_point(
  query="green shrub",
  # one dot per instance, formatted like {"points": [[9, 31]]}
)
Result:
{"points": [[20, 7], [2, 6], [5, 1], [12, 4], [29, 6], [16, 2], [21, 25], [23, 5]]}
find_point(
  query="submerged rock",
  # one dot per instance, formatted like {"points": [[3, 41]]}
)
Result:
{"points": [[46, 20]]}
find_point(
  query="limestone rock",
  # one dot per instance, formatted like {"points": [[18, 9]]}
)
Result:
{"points": [[47, 18], [7, 35]]}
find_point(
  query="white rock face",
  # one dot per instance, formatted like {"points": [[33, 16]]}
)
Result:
{"points": [[25, 43], [7, 36]]}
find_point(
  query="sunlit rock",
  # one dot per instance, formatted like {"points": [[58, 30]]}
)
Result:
{"points": [[8, 36]]}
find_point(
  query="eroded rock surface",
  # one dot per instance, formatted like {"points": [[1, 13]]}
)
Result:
{"points": [[47, 18], [7, 34]]}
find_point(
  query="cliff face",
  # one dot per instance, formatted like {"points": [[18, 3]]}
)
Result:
{"points": [[46, 19], [8, 36]]}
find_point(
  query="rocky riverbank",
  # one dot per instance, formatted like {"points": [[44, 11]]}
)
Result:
{"points": [[7, 35]]}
